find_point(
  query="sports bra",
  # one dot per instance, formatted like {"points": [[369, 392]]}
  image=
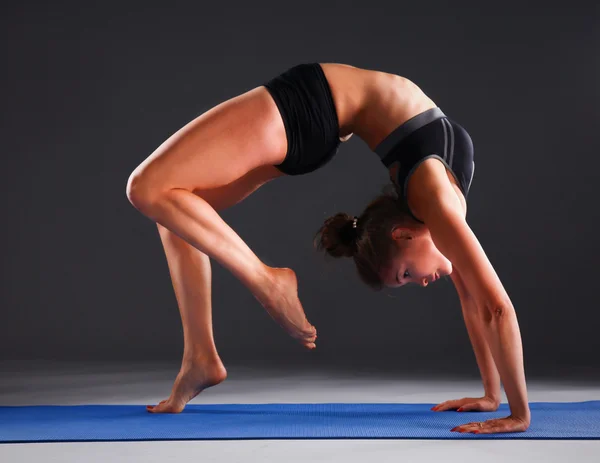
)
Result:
{"points": [[428, 135]]}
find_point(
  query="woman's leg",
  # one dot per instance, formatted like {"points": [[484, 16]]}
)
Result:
{"points": [[201, 366], [190, 272], [213, 151]]}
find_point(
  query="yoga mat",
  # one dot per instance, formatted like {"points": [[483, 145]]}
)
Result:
{"points": [[56, 423]]}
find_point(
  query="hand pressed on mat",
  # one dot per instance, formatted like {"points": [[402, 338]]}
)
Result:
{"points": [[482, 404], [497, 425], [469, 404]]}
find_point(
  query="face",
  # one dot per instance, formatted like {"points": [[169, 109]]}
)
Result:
{"points": [[417, 260]]}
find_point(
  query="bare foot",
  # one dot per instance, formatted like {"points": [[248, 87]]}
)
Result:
{"points": [[192, 379], [281, 302]]}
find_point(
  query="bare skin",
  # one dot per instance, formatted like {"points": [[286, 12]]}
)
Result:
{"points": [[214, 162], [246, 134]]}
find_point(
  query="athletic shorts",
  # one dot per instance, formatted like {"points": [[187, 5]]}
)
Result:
{"points": [[305, 102]]}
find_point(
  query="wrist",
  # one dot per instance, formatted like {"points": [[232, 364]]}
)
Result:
{"points": [[495, 397], [523, 415]]}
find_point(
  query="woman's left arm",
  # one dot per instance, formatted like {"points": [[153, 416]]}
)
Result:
{"points": [[454, 238]]}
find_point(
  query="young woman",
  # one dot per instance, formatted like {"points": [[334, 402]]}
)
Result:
{"points": [[293, 125]]}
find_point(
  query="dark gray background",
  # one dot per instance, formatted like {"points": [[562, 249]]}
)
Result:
{"points": [[89, 91]]}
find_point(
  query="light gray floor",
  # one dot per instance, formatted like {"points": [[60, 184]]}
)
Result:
{"points": [[143, 384]]}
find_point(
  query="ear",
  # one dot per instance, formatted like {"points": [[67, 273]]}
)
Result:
{"points": [[399, 233]]}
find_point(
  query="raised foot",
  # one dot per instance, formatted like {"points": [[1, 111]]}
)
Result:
{"points": [[280, 300], [192, 379]]}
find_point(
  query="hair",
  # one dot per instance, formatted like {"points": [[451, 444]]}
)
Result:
{"points": [[370, 244]]}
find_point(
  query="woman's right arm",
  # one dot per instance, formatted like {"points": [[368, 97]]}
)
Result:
{"points": [[483, 355], [454, 238]]}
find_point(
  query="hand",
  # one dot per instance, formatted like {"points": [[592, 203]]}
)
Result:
{"points": [[498, 425], [468, 404]]}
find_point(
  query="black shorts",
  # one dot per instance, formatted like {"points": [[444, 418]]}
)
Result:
{"points": [[304, 99]]}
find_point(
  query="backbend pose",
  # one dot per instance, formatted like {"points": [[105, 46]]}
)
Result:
{"points": [[293, 125]]}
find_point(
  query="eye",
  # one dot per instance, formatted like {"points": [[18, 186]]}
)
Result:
{"points": [[405, 275]]}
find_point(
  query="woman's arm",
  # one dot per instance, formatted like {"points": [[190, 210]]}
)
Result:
{"points": [[454, 238], [483, 354]]}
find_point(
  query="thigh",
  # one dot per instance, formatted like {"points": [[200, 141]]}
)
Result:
{"points": [[219, 147], [225, 196]]}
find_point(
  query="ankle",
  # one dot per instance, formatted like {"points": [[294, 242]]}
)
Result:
{"points": [[262, 280], [193, 357]]}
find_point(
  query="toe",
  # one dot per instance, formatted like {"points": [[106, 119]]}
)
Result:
{"points": [[153, 408], [160, 408]]}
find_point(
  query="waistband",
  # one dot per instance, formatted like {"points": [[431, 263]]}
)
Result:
{"points": [[405, 129]]}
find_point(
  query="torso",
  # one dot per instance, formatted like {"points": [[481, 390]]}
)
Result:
{"points": [[371, 104]]}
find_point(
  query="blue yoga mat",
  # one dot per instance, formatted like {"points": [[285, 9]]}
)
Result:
{"points": [[56, 423]]}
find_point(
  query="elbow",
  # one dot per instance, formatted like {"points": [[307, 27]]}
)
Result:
{"points": [[493, 312]]}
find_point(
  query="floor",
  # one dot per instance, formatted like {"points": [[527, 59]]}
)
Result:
{"points": [[145, 384]]}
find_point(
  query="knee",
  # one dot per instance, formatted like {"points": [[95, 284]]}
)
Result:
{"points": [[140, 191]]}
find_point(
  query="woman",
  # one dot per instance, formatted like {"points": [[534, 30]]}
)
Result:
{"points": [[293, 125]]}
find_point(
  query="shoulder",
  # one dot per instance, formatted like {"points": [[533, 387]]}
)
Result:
{"points": [[456, 240], [432, 187]]}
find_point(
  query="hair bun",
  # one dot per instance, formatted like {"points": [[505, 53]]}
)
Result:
{"points": [[338, 236]]}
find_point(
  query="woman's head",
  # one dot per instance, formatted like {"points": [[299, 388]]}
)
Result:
{"points": [[388, 246]]}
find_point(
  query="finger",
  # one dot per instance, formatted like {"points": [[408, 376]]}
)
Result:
{"points": [[460, 428], [440, 408], [448, 405], [467, 427], [490, 429], [486, 428], [502, 428], [469, 407], [496, 425]]}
